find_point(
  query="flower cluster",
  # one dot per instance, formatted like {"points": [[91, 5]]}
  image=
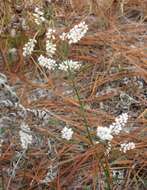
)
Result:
{"points": [[76, 33], [46, 62], [69, 64], [50, 46], [25, 136], [124, 147], [106, 133], [119, 123], [29, 47], [38, 14], [73, 36], [67, 133], [50, 34]]}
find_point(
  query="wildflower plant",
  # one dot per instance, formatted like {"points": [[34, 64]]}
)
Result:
{"points": [[47, 61], [39, 16], [98, 144], [104, 134]]}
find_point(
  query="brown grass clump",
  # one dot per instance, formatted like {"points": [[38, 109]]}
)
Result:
{"points": [[111, 81]]}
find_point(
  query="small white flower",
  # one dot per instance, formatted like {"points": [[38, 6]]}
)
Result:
{"points": [[119, 123], [73, 65], [67, 133], [50, 34], [76, 33], [50, 48], [25, 136], [39, 16], [124, 147], [29, 47], [46, 62], [104, 133]]}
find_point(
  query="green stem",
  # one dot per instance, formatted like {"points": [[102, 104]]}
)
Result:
{"points": [[63, 56], [81, 105]]}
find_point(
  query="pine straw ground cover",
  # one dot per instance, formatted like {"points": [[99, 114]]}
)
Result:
{"points": [[37, 103]]}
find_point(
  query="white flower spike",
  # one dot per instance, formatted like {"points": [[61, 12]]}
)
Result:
{"points": [[39, 16], [50, 34], [124, 147], [29, 47], [76, 33], [73, 65], [119, 123], [50, 48], [46, 62]]}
